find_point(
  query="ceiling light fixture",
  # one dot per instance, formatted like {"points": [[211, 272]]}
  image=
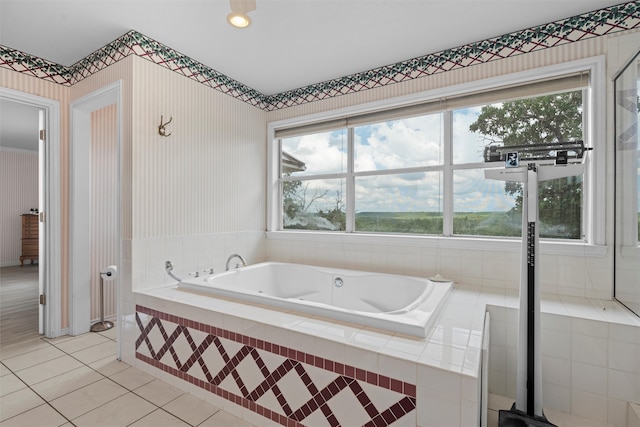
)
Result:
{"points": [[238, 20], [239, 9]]}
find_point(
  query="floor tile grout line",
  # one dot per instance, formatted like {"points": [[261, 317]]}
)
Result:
{"points": [[133, 391], [126, 388], [46, 402]]}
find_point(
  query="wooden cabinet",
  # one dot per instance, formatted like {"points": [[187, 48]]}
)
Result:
{"points": [[29, 238]]}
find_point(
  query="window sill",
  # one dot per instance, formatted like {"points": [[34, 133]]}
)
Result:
{"points": [[564, 247], [630, 252]]}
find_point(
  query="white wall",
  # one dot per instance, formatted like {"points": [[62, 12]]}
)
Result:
{"points": [[18, 194]]}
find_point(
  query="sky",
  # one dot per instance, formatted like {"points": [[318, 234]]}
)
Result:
{"points": [[411, 142]]}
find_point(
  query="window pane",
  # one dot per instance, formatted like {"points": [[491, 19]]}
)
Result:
{"points": [[404, 203], [493, 208], [314, 205], [319, 153], [543, 119], [484, 207], [560, 208], [405, 143], [468, 146]]}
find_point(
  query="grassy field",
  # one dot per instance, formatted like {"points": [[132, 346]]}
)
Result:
{"points": [[472, 223]]}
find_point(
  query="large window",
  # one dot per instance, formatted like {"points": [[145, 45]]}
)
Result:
{"points": [[419, 169]]}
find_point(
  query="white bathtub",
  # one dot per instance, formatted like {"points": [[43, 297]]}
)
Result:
{"points": [[393, 303]]}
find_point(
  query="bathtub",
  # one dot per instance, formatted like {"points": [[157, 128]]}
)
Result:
{"points": [[393, 303]]}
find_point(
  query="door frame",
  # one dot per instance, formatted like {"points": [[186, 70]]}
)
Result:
{"points": [[80, 205], [50, 266]]}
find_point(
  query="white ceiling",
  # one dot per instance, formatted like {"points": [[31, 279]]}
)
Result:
{"points": [[291, 43]]}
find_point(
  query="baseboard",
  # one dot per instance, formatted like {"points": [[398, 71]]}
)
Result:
{"points": [[9, 263]]}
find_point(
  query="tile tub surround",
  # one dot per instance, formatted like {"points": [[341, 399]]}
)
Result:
{"points": [[227, 364], [440, 373], [590, 357], [444, 367]]}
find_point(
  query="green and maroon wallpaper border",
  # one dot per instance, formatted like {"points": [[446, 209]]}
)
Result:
{"points": [[598, 23]]}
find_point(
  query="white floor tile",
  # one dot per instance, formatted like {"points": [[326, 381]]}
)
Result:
{"points": [[161, 418], [41, 416], [13, 350], [32, 358], [158, 392], [190, 409], [79, 402], [132, 378], [4, 370], [82, 342], [9, 384], [122, 411], [66, 382], [18, 402], [224, 419], [96, 352], [109, 366], [49, 369]]}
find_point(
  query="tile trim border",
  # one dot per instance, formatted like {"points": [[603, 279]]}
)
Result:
{"points": [[404, 406], [625, 16]]}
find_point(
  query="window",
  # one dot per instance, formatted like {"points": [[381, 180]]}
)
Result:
{"points": [[419, 169]]}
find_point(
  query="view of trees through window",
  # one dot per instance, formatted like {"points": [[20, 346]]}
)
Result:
{"points": [[399, 176]]}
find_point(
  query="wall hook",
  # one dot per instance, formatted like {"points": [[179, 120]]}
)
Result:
{"points": [[162, 131]]}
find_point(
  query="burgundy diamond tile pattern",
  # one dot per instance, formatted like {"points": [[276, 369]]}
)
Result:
{"points": [[286, 385]]}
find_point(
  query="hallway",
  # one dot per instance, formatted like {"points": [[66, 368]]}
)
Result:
{"points": [[18, 304]]}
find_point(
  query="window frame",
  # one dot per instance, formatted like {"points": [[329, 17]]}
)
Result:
{"points": [[594, 187]]}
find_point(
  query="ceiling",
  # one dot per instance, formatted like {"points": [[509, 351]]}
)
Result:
{"points": [[290, 44]]}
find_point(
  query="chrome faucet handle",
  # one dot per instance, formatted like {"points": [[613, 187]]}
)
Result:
{"points": [[194, 274], [208, 270]]}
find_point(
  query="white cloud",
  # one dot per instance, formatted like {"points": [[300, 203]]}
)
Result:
{"points": [[401, 144], [321, 152]]}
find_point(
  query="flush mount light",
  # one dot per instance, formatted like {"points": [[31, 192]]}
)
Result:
{"points": [[238, 20], [239, 9]]}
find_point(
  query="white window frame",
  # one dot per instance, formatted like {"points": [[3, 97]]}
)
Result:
{"points": [[593, 182]]}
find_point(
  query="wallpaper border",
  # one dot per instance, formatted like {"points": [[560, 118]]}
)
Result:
{"points": [[598, 23]]}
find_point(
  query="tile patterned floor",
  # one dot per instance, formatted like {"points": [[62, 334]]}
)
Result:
{"points": [[77, 381]]}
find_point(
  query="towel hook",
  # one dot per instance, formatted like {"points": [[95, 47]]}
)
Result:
{"points": [[162, 131]]}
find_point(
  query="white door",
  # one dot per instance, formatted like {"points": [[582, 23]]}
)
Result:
{"points": [[42, 147]]}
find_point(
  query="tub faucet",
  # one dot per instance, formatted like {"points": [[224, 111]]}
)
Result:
{"points": [[232, 256], [168, 266]]}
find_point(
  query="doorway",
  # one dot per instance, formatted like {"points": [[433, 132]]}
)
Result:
{"points": [[46, 210], [19, 257], [88, 201]]}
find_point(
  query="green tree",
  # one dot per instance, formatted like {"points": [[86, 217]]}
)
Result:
{"points": [[545, 119]]}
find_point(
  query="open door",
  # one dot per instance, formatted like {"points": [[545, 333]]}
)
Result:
{"points": [[42, 147], [49, 196]]}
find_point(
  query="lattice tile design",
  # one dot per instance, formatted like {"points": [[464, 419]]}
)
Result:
{"points": [[286, 385], [581, 27], [594, 24], [34, 66]]}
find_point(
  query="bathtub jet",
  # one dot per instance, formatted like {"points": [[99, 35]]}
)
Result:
{"points": [[393, 303]]}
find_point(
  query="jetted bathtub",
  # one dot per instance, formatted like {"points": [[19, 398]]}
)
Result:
{"points": [[393, 303]]}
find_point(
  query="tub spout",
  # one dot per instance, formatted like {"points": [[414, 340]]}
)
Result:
{"points": [[168, 266], [232, 256]]}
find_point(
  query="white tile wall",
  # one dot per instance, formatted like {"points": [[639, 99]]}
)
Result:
{"points": [[190, 254], [590, 368]]}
